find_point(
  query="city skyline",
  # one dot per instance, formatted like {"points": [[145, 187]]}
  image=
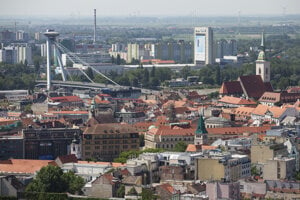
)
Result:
{"points": [[149, 8]]}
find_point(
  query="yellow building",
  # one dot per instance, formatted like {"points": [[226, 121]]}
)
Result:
{"points": [[230, 168]]}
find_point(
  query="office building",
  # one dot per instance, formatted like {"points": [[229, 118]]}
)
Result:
{"points": [[106, 141], [203, 46], [47, 143]]}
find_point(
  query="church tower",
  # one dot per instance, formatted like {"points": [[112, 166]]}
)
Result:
{"points": [[92, 109], [200, 133], [263, 66]]}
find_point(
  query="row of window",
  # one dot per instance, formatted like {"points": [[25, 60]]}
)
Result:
{"points": [[178, 139], [111, 142], [111, 147]]}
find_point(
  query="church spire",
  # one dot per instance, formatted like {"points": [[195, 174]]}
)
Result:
{"points": [[201, 126], [262, 44]]}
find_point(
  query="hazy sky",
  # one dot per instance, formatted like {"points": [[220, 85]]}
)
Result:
{"points": [[149, 7]]}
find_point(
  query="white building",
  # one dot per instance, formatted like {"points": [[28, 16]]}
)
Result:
{"points": [[203, 47], [24, 54]]}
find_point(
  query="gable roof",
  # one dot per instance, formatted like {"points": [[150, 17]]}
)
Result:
{"points": [[71, 158], [262, 109], [169, 188], [252, 85], [271, 97], [237, 101], [231, 87]]}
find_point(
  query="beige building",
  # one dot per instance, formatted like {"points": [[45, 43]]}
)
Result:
{"points": [[107, 141], [230, 168], [279, 168], [133, 52], [168, 137], [260, 153]]}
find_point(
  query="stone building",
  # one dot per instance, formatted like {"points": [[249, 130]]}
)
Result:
{"points": [[106, 141]]}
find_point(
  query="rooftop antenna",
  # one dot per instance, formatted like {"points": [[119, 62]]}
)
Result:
{"points": [[95, 26]]}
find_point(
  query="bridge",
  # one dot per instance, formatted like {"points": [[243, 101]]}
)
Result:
{"points": [[93, 86]]}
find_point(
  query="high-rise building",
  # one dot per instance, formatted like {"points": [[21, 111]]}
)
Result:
{"points": [[24, 54], [9, 55], [203, 48], [180, 51], [22, 36], [226, 48], [7, 36], [262, 65], [133, 52]]}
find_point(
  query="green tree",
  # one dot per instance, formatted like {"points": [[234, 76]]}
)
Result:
{"points": [[180, 146], [75, 183], [118, 62], [148, 194], [185, 72], [48, 179], [254, 171], [121, 191], [90, 73], [298, 176], [51, 179]]}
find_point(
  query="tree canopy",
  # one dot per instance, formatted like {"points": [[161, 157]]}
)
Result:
{"points": [[51, 179]]}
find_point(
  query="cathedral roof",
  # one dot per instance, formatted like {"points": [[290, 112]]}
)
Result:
{"points": [[201, 126]]}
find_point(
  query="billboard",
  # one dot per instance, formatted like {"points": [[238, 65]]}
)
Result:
{"points": [[200, 47]]}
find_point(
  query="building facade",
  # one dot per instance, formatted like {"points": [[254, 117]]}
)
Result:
{"points": [[106, 141], [203, 46], [47, 143], [229, 168]]}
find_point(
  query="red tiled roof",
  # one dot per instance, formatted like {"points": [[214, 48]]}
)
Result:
{"points": [[268, 87], [238, 130], [110, 128], [252, 85], [98, 101], [231, 87], [169, 188], [68, 159], [262, 109], [295, 89], [23, 166], [237, 101], [65, 99], [272, 97], [113, 164], [168, 131], [70, 112], [191, 148]]}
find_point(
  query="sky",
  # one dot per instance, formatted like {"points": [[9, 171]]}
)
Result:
{"points": [[148, 7]]}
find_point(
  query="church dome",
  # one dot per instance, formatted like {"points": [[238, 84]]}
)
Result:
{"points": [[151, 127], [261, 55]]}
